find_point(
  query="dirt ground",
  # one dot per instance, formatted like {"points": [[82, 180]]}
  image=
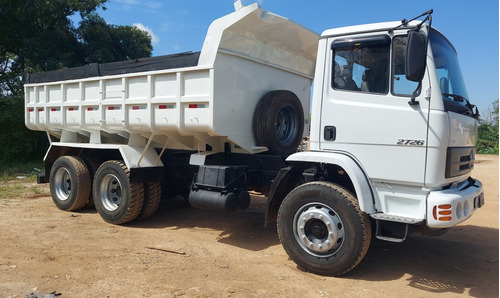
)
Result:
{"points": [[182, 251]]}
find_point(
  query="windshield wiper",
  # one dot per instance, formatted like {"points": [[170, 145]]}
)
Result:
{"points": [[459, 99]]}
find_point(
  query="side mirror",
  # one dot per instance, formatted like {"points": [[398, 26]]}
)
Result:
{"points": [[416, 56]]}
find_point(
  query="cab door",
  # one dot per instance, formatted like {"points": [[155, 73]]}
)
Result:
{"points": [[366, 111]]}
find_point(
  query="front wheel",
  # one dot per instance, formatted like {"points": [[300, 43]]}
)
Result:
{"points": [[322, 228]]}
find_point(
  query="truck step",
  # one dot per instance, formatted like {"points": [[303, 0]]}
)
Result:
{"points": [[391, 235], [393, 228], [396, 218]]}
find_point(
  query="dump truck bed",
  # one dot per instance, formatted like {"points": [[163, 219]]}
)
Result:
{"points": [[189, 101], [181, 60]]}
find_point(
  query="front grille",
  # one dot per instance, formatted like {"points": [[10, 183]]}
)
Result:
{"points": [[459, 161]]}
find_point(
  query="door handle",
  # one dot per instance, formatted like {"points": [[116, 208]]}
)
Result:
{"points": [[330, 133]]}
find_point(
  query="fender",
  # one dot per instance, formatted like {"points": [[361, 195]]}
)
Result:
{"points": [[143, 163], [359, 178], [281, 185]]}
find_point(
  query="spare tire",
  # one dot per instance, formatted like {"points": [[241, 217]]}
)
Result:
{"points": [[278, 122]]}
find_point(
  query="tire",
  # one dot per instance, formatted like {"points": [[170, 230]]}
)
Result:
{"points": [[116, 199], [70, 183], [322, 228], [152, 197], [278, 122], [93, 164]]}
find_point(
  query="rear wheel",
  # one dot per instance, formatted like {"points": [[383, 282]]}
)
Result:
{"points": [[70, 183], [152, 197], [93, 164], [116, 199], [322, 228], [278, 122]]}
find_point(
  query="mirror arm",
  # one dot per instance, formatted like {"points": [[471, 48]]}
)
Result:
{"points": [[405, 22], [428, 18], [412, 101]]}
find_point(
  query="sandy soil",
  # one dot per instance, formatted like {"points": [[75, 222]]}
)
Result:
{"points": [[187, 252]]}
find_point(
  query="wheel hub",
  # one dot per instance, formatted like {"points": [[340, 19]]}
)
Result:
{"points": [[110, 192], [62, 184], [318, 229], [286, 125]]}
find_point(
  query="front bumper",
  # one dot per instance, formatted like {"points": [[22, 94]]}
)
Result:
{"points": [[446, 208]]}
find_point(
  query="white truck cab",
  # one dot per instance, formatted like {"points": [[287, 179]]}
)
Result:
{"points": [[410, 152], [402, 148]]}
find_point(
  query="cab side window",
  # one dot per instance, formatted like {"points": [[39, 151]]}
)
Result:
{"points": [[362, 64], [400, 85]]}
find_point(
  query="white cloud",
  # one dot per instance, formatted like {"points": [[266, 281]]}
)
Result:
{"points": [[248, 2], [148, 5], [129, 2], [154, 38], [153, 5]]}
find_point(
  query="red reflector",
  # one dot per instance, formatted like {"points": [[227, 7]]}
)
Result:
{"points": [[90, 109], [30, 110], [135, 107], [111, 108], [40, 110], [70, 109], [193, 106], [162, 107], [53, 110]]}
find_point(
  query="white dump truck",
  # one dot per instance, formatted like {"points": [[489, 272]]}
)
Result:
{"points": [[392, 133]]}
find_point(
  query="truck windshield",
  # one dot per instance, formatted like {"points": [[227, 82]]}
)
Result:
{"points": [[449, 75]]}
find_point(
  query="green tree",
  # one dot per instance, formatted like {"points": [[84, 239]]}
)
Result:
{"points": [[38, 35], [487, 142], [107, 43], [134, 43], [17, 143], [35, 35]]}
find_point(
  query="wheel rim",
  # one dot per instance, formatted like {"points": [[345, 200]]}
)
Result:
{"points": [[110, 192], [318, 229], [286, 125], [62, 184]]}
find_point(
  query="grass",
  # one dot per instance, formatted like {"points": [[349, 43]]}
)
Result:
{"points": [[29, 170], [20, 189], [19, 181]]}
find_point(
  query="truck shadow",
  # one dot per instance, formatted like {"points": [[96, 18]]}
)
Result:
{"points": [[244, 229], [465, 258]]}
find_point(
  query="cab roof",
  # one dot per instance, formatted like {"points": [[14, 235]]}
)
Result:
{"points": [[366, 28]]}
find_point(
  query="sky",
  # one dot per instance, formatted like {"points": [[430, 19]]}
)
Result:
{"points": [[472, 26]]}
